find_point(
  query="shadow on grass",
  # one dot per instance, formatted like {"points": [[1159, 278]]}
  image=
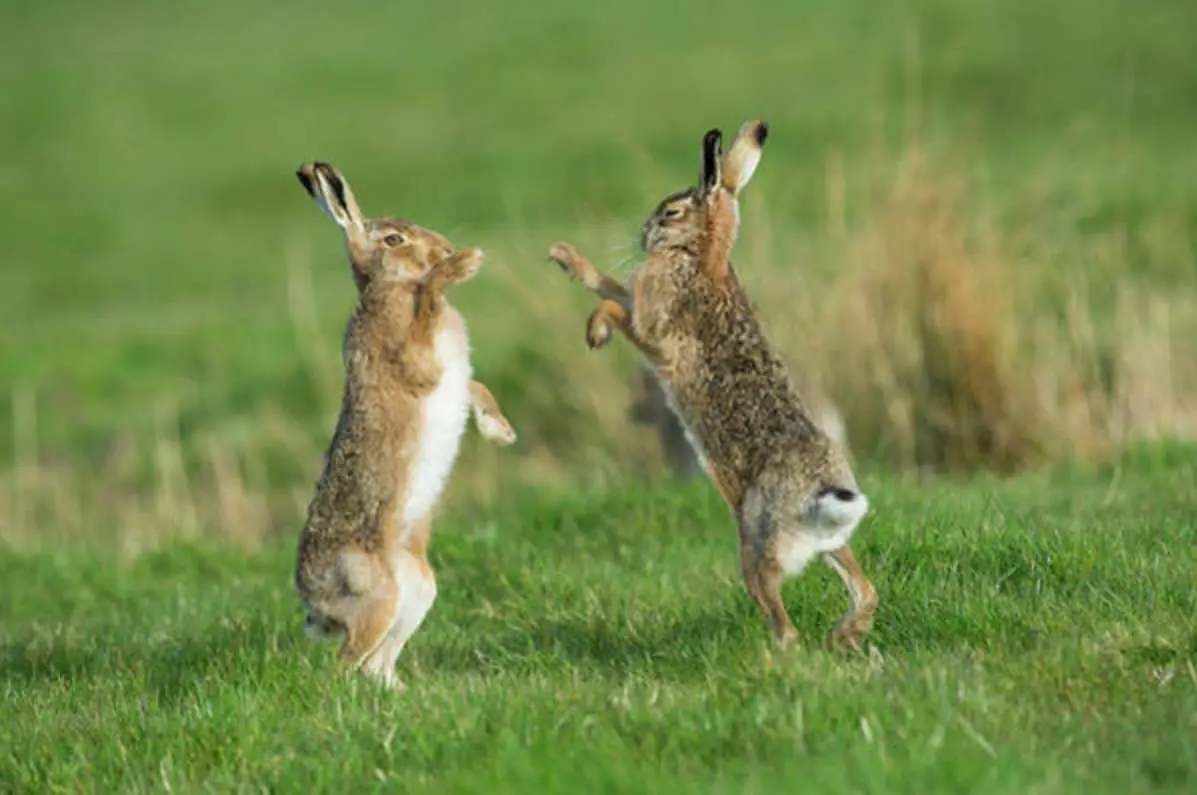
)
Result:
{"points": [[684, 646], [169, 666]]}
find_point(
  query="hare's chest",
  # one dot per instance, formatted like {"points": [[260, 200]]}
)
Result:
{"points": [[665, 306], [443, 419]]}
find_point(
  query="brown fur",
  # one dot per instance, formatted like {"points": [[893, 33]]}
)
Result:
{"points": [[650, 407], [791, 488], [358, 559]]}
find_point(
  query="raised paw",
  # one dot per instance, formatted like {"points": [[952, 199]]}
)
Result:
{"points": [[598, 331], [570, 260], [495, 428], [459, 267]]}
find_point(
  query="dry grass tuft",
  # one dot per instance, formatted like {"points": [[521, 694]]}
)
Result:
{"points": [[930, 356], [936, 335]]}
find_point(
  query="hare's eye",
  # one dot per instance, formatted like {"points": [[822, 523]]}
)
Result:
{"points": [[673, 212], [393, 239]]}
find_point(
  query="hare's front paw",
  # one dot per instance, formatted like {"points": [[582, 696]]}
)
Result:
{"points": [[598, 331], [496, 429], [569, 260], [463, 265]]}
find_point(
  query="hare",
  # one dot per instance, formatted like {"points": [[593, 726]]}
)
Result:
{"points": [[362, 570], [790, 488]]}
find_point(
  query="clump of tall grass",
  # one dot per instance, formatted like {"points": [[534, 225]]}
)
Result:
{"points": [[954, 343]]}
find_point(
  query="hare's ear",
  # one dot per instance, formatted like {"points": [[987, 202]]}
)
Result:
{"points": [[330, 190], [744, 156], [712, 155]]}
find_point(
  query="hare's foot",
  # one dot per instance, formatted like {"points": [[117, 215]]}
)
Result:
{"points": [[387, 678], [417, 592], [857, 622]]}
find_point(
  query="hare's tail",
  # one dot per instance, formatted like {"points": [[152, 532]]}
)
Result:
{"points": [[838, 508]]}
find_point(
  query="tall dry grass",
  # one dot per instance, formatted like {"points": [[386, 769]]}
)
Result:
{"points": [[936, 337], [950, 339]]}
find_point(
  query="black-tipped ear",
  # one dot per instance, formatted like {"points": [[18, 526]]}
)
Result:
{"points": [[762, 133], [712, 154], [304, 173], [335, 182], [338, 189], [332, 193]]}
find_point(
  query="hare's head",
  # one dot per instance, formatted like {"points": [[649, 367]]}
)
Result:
{"points": [[380, 249], [680, 220]]}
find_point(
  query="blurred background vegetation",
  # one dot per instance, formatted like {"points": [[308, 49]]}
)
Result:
{"points": [[975, 227]]}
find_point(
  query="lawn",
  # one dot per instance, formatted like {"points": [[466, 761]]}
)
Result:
{"points": [[1034, 636], [171, 305]]}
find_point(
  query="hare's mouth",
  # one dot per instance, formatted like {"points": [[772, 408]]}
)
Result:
{"points": [[646, 233]]}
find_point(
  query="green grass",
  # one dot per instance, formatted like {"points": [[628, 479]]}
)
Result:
{"points": [[1034, 636]]}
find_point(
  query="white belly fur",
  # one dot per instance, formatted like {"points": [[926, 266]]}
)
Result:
{"points": [[445, 412]]}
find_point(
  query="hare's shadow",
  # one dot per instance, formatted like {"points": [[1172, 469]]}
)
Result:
{"points": [[680, 647], [171, 666]]}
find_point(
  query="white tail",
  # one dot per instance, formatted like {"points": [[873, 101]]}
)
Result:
{"points": [[838, 508]]}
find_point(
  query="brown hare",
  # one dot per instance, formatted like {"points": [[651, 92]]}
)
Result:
{"points": [[362, 570], [791, 489]]}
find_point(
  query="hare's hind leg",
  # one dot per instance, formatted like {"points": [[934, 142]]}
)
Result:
{"points": [[762, 564], [417, 592], [367, 626], [763, 575], [863, 600]]}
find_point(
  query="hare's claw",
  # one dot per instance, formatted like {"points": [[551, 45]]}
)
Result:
{"points": [[567, 258]]}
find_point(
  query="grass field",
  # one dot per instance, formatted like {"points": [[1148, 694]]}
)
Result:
{"points": [[975, 225], [1035, 636]]}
